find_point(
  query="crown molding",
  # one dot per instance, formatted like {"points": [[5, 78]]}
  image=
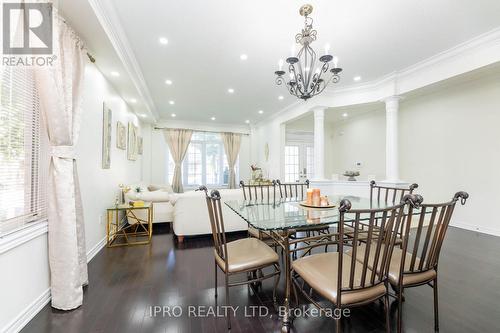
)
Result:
{"points": [[205, 126], [473, 54], [106, 15]]}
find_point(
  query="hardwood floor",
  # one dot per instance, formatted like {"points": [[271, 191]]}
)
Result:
{"points": [[126, 282]]}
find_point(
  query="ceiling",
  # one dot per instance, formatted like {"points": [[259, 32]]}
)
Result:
{"points": [[206, 39]]}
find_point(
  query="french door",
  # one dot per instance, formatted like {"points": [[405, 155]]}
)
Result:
{"points": [[299, 162]]}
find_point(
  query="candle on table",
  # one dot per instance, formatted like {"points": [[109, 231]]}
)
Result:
{"points": [[309, 197], [315, 197]]}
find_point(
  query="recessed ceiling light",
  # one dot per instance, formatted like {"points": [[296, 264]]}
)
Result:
{"points": [[280, 97], [173, 115], [133, 100], [116, 74], [142, 115], [163, 40], [261, 112], [169, 82], [171, 102], [357, 78], [243, 57], [213, 118], [344, 115], [230, 90], [247, 121]]}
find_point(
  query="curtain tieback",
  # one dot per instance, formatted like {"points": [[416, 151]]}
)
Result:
{"points": [[63, 152]]}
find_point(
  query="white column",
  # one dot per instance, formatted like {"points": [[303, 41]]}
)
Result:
{"points": [[391, 139], [319, 144]]}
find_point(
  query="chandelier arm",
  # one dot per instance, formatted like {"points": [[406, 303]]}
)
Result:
{"points": [[300, 76], [324, 69], [312, 63], [298, 79]]}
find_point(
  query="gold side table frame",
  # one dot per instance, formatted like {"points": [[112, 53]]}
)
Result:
{"points": [[117, 227]]}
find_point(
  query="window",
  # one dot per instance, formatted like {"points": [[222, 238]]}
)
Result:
{"points": [[291, 163], [23, 158], [299, 161], [205, 161]]}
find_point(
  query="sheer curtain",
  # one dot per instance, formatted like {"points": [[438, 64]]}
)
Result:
{"points": [[178, 143], [60, 88], [232, 142]]}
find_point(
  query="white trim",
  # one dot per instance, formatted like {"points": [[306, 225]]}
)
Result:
{"points": [[107, 17], [476, 228], [473, 54], [23, 318], [204, 126], [95, 250], [23, 235]]}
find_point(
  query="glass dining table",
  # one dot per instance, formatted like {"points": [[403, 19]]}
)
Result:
{"points": [[283, 218]]}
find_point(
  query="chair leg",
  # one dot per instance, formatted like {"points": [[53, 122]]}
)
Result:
{"points": [[276, 281], [436, 307], [215, 266], [338, 325], [228, 304], [386, 309], [400, 310]]}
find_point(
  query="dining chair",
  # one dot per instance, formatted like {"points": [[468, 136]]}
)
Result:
{"points": [[419, 264], [384, 195], [259, 193], [389, 194], [298, 191], [340, 277], [293, 190], [247, 255]]}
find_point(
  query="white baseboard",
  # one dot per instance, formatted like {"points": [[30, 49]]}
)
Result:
{"points": [[28, 313], [32, 309], [95, 250], [476, 228]]}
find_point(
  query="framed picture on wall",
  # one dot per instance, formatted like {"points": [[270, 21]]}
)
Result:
{"points": [[139, 145], [121, 136], [106, 137], [132, 142]]}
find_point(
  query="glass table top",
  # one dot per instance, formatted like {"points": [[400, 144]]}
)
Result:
{"points": [[289, 214]]}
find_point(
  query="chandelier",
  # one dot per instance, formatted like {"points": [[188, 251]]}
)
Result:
{"points": [[307, 80]]}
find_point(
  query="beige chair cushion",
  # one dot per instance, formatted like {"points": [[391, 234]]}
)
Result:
{"points": [[408, 279], [245, 254], [320, 272], [364, 236]]}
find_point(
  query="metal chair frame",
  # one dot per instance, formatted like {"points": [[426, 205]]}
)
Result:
{"points": [[425, 249], [390, 220], [220, 246]]}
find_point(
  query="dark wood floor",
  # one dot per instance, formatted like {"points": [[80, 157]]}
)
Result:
{"points": [[126, 282]]}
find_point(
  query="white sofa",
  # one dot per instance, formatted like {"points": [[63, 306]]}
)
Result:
{"points": [[163, 211], [191, 213]]}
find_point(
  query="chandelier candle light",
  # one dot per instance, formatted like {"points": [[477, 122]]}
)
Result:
{"points": [[304, 81]]}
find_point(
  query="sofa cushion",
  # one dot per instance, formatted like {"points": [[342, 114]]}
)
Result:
{"points": [[163, 187]]}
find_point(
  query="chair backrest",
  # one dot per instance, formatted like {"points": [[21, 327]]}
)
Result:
{"points": [[259, 192], [389, 194], [216, 222], [423, 251], [377, 248], [293, 190]]}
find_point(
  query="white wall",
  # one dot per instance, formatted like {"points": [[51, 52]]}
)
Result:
{"points": [[450, 140], [100, 186], [358, 139], [24, 282]]}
